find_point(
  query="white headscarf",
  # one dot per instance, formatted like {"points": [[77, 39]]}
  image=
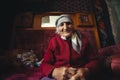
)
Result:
{"points": [[76, 42], [63, 18]]}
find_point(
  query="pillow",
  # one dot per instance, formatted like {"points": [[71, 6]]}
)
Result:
{"points": [[114, 63], [27, 58]]}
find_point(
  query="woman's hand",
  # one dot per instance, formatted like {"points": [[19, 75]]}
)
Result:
{"points": [[81, 74], [63, 73]]}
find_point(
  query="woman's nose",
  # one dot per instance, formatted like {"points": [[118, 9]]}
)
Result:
{"points": [[65, 26]]}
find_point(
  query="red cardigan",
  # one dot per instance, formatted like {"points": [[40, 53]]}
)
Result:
{"points": [[59, 53]]}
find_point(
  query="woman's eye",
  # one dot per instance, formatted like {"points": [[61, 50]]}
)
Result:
{"points": [[61, 24], [68, 23]]}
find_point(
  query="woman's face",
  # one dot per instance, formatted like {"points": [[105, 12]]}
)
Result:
{"points": [[65, 29]]}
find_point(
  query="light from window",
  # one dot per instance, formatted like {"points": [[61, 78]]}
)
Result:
{"points": [[49, 21]]}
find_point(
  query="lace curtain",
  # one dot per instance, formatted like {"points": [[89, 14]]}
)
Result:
{"points": [[114, 12]]}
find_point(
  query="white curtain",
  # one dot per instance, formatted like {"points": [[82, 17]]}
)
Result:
{"points": [[114, 12]]}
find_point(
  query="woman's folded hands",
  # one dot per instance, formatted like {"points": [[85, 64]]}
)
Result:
{"points": [[80, 74], [69, 73]]}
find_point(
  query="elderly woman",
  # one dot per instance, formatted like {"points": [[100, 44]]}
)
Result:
{"points": [[69, 55]]}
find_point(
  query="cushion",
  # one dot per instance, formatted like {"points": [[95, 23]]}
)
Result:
{"points": [[27, 58], [115, 63]]}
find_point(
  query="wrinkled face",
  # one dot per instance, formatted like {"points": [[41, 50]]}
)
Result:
{"points": [[65, 29]]}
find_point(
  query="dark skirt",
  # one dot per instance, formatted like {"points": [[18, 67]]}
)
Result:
{"points": [[47, 78]]}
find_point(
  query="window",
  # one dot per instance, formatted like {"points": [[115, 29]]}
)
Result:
{"points": [[48, 21]]}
